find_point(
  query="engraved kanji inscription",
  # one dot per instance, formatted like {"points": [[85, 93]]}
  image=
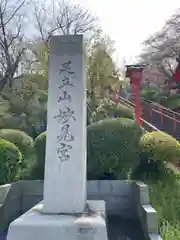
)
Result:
{"points": [[64, 96], [66, 82], [63, 152], [67, 73], [65, 115], [66, 68], [65, 134]]}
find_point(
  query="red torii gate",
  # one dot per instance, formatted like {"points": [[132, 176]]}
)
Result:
{"points": [[135, 73]]}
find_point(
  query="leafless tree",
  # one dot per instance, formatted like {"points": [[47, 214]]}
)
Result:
{"points": [[163, 47], [63, 18], [11, 40]]}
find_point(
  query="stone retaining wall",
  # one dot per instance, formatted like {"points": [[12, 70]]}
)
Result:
{"points": [[117, 194], [145, 212], [124, 198], [19, 197]]}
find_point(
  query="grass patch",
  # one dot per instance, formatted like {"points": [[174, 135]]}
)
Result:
{"points": [[165, 198]]}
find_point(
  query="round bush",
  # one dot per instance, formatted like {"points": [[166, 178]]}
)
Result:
{"points": [[37, 171], [159, 146], [121, 110], [23, 141], [10, 160], [172, 101], [110, 109], [156, 149], [112, 147], [148, 94]]}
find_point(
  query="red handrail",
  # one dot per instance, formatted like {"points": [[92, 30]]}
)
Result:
{"points": [[161, 107], [127, 102]]}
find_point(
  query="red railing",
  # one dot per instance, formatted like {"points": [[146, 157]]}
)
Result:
{"points": [[157, 117], [163, 110], [147, 125]]}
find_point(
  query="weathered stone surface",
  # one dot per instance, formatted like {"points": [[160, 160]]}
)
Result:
{"points": [[36, 225], [150, 216], [65, 166]]}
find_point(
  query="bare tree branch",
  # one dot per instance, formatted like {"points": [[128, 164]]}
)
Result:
{"points": [[164, 46], [11, 45], [3, 9], [64, 18], [73, 19]]}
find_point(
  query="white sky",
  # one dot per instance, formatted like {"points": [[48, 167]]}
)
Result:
{"points": [[129, 22]]}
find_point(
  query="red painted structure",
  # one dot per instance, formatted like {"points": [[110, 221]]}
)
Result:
{"points": [[135, 72], [115, 97], [176, 77]]}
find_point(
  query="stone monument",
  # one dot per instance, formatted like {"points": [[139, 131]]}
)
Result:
{"points": [[64, 213]]}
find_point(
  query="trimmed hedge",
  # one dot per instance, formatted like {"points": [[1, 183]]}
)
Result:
{"points": [[110, 109], [148, 94], [156, 149], [37, 170], [159, 146], [10, 160], [112, 147], [121, 110], [172, 101], [23, 141]]}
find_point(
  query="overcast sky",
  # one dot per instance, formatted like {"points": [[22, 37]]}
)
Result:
{"points": [[129, 22]]}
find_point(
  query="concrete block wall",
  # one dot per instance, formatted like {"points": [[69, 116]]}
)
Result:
{"points": [[116, 194], [124, 198], [18, 197], [31, 193], [145, 212], [10, 204]]}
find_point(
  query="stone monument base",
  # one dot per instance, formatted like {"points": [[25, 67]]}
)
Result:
{"points": [[35, 225]]}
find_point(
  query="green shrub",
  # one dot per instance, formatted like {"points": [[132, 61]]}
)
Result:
{"points": [[121, 110], [23, 141], [37, 170], [165, 198], [169, 231], [112, 147], [110, 109], [172, 101], [148, 94], [119, 135], [157, 148], [10, 160]]}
